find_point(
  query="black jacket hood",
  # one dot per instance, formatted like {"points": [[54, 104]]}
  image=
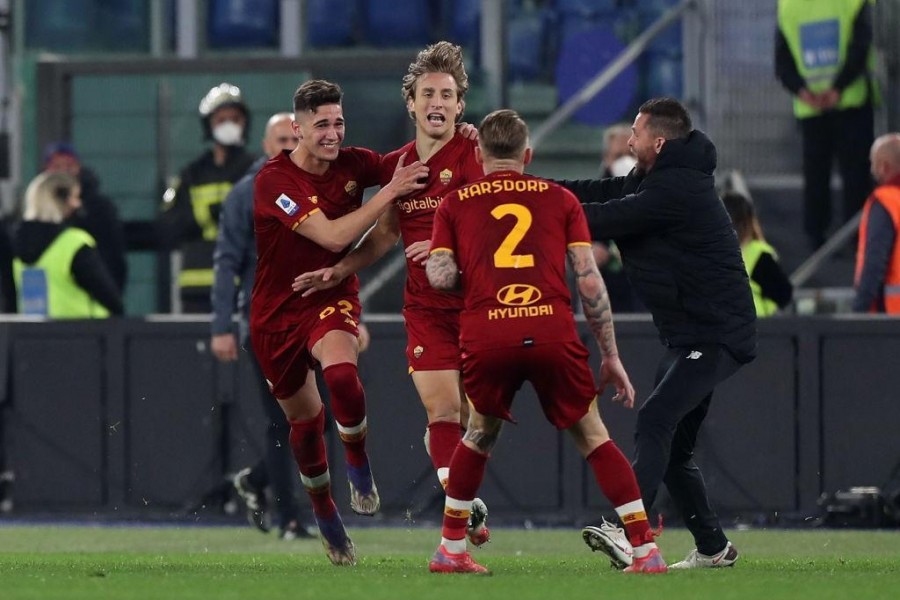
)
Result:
{"points": [[695, 151], [33, 237]]}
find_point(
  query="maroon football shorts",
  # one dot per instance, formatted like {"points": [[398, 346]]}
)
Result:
{"points": [[285, 356], [559, 372], [432, 339]]}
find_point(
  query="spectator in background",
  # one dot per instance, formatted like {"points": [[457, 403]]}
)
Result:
{"points": [[877, 276], [617, 161], [58, 271], [769, 284], [235, 263], [190, 219], [824, 58], [98, 214]]}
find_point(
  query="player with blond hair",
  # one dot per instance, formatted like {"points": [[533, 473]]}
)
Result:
{"points": [[517, 325]]}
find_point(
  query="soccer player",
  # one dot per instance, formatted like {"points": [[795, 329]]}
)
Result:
{"points": [[434, 89], [307, 211], [517, 325]]}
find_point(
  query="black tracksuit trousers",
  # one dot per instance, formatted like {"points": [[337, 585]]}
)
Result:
{"points": [[666, 433]]}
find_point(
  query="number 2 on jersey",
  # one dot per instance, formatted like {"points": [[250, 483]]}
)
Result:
{"points": [[504, 257]]}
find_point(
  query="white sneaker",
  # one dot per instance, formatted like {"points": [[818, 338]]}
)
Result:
{"points": [[726, 558], [610, 540], [476, 529]]}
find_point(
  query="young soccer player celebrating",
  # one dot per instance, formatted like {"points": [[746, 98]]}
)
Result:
{"points": [[307, 211]]}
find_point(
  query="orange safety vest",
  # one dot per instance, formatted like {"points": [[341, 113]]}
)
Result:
{"points": [[889, 197]]}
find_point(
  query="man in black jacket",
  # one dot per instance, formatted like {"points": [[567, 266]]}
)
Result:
{"points": [[682, 256]]}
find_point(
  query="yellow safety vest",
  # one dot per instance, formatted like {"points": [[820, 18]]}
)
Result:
{"points": [[751, 252], [47, 287], [818, 34]]}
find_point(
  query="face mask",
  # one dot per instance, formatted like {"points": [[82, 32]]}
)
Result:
{"points": [[622, 166], [229, 133]]}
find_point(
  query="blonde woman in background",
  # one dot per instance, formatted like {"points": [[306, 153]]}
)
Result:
{"points": [[57, 269], [771, 287]]}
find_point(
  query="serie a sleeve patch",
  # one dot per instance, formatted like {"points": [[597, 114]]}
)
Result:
{"points": [[287, 205]]}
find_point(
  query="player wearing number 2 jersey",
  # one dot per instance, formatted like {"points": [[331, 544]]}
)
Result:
{"points": [[307, 211], [517, 326]]}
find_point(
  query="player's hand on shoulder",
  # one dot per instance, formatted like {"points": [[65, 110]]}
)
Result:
{"points": [[467, 130], [408, 178], [418, 251], [314, 281]]}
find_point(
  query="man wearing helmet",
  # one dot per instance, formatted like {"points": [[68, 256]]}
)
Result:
{"points": [[191, 207]]}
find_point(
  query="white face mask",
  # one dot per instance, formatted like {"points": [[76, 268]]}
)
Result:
{"points": [[229, 133]]}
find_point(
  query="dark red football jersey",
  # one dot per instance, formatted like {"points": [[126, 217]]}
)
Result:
{"points": [[449, 168], [509, 234], [284, 196]]}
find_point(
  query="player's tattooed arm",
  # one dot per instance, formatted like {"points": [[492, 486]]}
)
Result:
{"points": [[442, 271], [594, 298]]}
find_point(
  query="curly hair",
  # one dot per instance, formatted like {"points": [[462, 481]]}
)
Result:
{"points": [[441, 57]]}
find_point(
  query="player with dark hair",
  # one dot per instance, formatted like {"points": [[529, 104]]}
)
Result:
{"points": [[307, 211], [681, 255], [517, 325], [434, 90]]}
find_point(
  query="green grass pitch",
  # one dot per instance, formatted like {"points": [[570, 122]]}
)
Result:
{"points": [[220, 563]]}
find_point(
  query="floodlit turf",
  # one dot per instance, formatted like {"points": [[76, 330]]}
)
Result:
{"points": [[223, 563]]}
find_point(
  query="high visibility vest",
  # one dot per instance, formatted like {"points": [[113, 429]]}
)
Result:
{"points": [[818, 33], [889, 197], [751, 252], [47, 287], [197, 255]]}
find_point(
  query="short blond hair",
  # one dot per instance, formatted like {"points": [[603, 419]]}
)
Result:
{"points": [[46, 196], [503, 134]]}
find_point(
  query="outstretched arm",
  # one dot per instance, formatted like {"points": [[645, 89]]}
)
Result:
{"points": [[442, 271], [597, 311], [337, 234], [375, 244]]}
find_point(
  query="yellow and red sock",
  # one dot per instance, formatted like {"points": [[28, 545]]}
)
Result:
{"points": [[466, 473], [616, 479]]}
